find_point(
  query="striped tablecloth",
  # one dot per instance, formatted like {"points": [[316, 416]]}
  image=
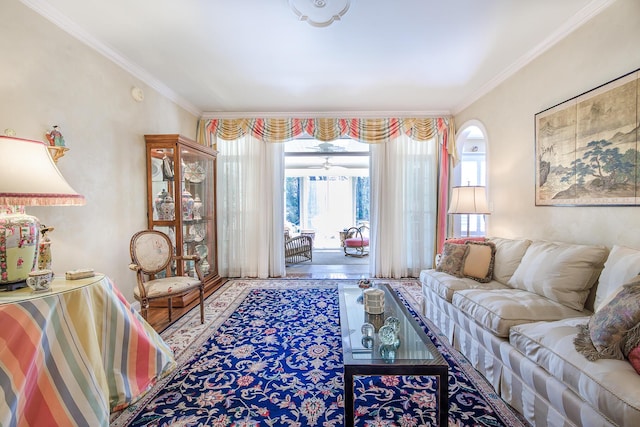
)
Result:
{"points": [[70, 356]]}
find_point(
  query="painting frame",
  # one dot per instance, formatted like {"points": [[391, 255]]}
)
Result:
{"points": [[586, 148]]}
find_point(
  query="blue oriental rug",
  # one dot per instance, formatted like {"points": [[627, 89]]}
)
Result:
{"points": [[270, 354]]}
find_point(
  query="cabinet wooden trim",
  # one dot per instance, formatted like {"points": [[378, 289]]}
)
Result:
{"points": [[180, 151]]}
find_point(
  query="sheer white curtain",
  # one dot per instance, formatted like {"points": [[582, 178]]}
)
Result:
{"points": [[250, 211], [403, 206]]}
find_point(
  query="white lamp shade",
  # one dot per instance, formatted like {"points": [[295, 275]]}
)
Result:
{"points": [[29, 176], [469, 200]]}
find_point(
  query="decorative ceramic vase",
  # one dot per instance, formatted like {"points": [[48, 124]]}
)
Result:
{"points": [[157, 202], [187, 205], [168, 209], [19, 239], [205, 267], [197, 207]]}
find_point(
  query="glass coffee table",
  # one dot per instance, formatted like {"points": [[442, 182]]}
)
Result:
{"points": [[368, 351]]}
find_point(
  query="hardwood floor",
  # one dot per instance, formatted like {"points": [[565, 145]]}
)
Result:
{"points": [[158, 316]]}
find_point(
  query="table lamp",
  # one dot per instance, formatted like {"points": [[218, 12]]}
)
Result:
{"points": [[469, 200], [28, 177]]}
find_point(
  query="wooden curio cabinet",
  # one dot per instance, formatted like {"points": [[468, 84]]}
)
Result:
{"points": [[181, 202]]}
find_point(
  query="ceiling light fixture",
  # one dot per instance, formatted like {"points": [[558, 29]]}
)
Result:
{"points": [[319, 13]]}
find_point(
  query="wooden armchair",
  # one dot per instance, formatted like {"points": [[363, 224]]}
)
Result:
{"points": [[298, 249], [152, 254]]}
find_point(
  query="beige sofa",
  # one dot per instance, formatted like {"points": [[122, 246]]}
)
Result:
{"points": [[518, 329]]}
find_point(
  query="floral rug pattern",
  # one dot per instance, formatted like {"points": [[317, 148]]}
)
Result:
{"points": [[270, 354]]}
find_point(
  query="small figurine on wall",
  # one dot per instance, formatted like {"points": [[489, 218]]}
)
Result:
{"points": [[55, 138]]}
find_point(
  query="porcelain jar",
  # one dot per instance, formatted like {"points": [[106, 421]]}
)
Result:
{"points": [[187, 204], [157, 203], [168, 209], [197, 207]]}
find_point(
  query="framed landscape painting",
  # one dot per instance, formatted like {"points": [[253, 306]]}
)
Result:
{"points": [[587, 147]]}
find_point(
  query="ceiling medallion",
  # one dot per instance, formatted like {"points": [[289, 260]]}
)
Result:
{"points": [[319, 13]]}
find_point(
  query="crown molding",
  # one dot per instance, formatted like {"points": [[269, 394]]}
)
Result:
{"points": [[43, 8], [576, 21], [324, 114]]}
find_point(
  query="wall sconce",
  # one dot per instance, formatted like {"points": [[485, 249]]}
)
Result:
{"points": [[28, 177], [469, 200]]}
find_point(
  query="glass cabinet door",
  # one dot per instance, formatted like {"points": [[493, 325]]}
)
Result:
{"points": [[162, 184], [197, 193], [181, 203]]}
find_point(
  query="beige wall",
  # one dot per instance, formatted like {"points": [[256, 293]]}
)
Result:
{"points": [[49, 78], [601, 50]]}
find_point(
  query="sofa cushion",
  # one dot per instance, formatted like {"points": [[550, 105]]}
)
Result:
{"points": [[609, 385], [622, 265], [497, 310], [452, 259], [444, 285], [509, 253], [561, 272], [614, 328], [479, 261]]}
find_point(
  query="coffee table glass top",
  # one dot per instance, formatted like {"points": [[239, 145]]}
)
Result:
{"points": [[414, 345]]}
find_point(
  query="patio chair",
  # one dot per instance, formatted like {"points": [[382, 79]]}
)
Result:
{"points": [[152, 258], [298, 249], [356, 242]]}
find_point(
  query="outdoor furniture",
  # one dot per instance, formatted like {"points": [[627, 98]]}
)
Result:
{"points": [[356, 241], [152, 259], [298, 249]]}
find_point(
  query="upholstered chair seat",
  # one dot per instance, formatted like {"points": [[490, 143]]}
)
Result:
{"points": [[153, 260]]}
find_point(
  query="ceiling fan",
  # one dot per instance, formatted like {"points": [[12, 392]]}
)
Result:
{"points": [[327, 147], [326, 165]]}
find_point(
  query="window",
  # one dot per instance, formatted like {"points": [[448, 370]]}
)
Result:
{"points": [[471, 170]]}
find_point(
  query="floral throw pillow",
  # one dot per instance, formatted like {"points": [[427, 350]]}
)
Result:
{"points": [[452, 259], [614, 330]]}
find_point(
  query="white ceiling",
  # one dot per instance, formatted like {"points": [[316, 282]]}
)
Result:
{"points": [[421, 57]]}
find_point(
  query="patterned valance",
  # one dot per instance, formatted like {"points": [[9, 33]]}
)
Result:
{"points": [[323, 129]]}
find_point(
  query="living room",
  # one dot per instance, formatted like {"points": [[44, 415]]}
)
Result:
{"points": [[56, 79], [52, 77]]}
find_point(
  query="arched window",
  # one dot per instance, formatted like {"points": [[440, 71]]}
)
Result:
{"points": [[471, 143]]}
